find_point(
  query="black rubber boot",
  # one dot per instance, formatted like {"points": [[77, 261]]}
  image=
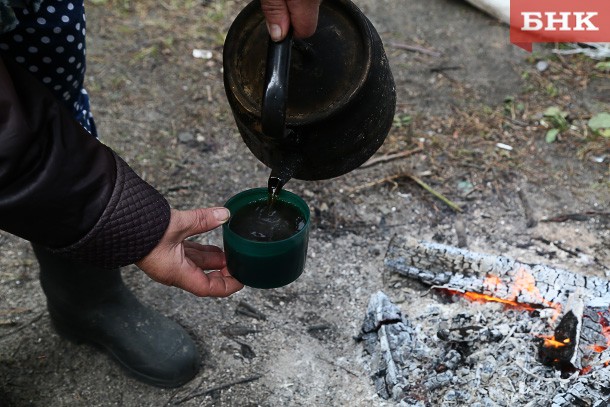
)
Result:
{"points": [[92, 305]]}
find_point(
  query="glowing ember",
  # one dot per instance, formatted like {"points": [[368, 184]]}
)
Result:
{"points": [[525, 282], [492, 282], [605, 327], [585, 370], [598, 348]]}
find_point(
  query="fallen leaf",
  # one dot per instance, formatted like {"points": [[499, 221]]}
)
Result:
{"points": [[603, 66], [554, 111], [551, 135], [600, 124]]}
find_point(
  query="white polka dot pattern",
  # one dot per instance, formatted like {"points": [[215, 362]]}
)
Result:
{"points": [[51, 45]]}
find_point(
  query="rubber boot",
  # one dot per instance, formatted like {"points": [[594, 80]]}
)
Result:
{"points": [[92, 305]]}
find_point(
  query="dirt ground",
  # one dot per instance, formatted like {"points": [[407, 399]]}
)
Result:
{"points": [[166, 113]]}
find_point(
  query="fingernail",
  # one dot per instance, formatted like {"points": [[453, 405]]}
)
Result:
{"points": [[275, 31], [222, 214]]}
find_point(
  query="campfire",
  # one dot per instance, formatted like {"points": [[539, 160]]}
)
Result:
{"points": [[489, 330]]}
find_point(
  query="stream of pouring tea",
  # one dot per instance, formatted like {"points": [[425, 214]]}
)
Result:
{"points": [[274, 186], [278, 178]]}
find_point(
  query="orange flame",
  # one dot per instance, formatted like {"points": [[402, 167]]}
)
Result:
{"points": [[524, 283], [476, 297], [551, 342]]}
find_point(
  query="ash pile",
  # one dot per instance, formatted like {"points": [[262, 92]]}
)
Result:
{"points": [[488, 331]]}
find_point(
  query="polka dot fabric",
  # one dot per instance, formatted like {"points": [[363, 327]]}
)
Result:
{"points": [[50, 43]]}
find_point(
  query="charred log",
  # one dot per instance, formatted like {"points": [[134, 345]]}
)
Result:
{"points": [[389, 339], [435, 264]]}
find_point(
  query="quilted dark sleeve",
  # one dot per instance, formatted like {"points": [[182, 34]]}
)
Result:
{"points": [[62, 188], [133, 222]]}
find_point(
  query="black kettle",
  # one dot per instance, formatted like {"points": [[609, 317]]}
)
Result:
{"points": [[313, 108]]}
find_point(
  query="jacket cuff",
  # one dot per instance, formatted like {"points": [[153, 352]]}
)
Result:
{"points": [[132, 224]]}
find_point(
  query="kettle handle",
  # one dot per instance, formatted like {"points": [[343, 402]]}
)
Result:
{"points": [[275, 91]]}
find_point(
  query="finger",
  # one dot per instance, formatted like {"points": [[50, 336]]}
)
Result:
{"points": [[223, 286], [193, 222], [202, 247], [277, 17], [303, 16], [206, 260], [215, 284]]}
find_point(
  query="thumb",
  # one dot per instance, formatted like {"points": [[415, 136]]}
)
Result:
{"points": [[193, 222], [277, 17]]}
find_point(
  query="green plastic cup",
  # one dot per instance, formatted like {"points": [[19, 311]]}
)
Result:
{"points": [[265, 264]]}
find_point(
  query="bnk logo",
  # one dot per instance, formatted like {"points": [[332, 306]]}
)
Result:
{"points": [[559, 21], [563, 21]]}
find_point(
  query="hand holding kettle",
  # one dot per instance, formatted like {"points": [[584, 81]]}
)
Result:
{"points": [[280, 15]]}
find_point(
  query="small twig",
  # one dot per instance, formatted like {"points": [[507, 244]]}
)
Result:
{"points": [[338, 366], [460, 231], [440, 287], [418, 181], [170, 401], [25, 325], [507, 337], [178, 187], [376, 182], [547, 379], [517, 122], [439, 69], [415, 48], [12, 311], [218, 388], [575, 216], [389, 157], [510, 383], [527, 209], [557, 245], [440, 196], [208, 89]]}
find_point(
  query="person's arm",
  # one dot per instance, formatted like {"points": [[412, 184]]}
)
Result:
{"points": [[280, 15], [59, 186], [63, 189]]}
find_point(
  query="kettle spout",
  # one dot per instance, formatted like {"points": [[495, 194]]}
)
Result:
{"points": [[281, 174]]}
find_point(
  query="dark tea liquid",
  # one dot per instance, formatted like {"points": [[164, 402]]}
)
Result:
{"points": [[267, 221]]}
